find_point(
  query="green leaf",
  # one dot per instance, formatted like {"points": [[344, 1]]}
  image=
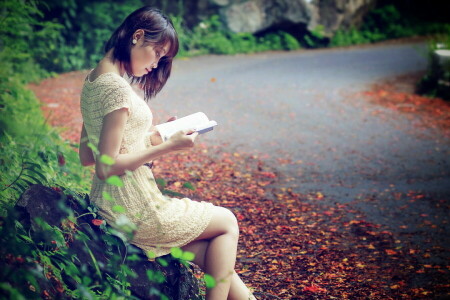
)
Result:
{"points": [[118, 209], [189, 185], [26, 238], [34, 178], [162, 262], [151, 254], [115, 180], [31, 164], [210, 282], [163, 297], [171, 193], [107, 196], [157, 276], [189, 256], [26, 181], [38, 174], [161, 182], [107, 160], [21, 187], [93, 148], [94, 260], [134, 257], [176, 252]]}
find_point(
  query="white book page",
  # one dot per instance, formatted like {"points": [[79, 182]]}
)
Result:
{"points": [[195, 121]]}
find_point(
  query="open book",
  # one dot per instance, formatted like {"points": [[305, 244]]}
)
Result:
{"points": [[199, 121]]}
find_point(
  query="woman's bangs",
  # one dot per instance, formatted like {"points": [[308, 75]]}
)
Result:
{"points": [[169, 36]]}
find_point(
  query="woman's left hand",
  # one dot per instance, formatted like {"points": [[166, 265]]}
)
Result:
{"points": [[155, 137]]}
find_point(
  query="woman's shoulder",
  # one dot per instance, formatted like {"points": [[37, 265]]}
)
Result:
{"points": [[105, 75], [106, 79]]}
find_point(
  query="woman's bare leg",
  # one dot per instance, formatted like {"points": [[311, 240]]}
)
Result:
{"points": [[215, 253], [238, 289]]}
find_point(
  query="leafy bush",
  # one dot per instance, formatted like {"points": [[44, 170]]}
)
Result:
{"points": [[86, 26], [29, 148], [385, 23], [210, 37], [436, 81], [183, 35], [244, 42], [20, 35], [350, 37], [315, 38], [289, 42], [73, 254]]}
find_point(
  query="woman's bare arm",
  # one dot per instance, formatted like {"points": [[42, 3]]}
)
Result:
{"points": [[85, 153], [111, 139]]}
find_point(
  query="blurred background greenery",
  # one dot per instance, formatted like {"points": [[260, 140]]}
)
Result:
{"points": [[61, 36]]}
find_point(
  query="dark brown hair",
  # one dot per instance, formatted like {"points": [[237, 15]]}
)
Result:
{"points": [[158, 30]]}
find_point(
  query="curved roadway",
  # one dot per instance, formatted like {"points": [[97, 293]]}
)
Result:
{"points": [[301, 113]]}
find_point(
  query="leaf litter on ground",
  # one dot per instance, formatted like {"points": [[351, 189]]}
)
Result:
{"points": [[292, 245]]}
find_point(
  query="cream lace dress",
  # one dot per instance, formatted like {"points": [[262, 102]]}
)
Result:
{"points": [[162, 222]]}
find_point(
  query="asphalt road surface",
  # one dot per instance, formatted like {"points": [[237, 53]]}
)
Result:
{"points": [[300, 112]]}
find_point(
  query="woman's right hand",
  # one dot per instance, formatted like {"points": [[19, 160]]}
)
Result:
{"points": [[182, 140]]}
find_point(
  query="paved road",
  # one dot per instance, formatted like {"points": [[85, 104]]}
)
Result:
{"points": [[298, 111]]}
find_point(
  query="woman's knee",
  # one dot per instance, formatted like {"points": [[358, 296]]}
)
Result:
{"points": [[223, 221], [231, 221]]}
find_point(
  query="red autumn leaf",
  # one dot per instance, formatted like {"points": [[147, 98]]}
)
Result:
{"points": [[97, 222], [240, 217], [314, 289], [268, 174], [57, 189], [390, 252]]}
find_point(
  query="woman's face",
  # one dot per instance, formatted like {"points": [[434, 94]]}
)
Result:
{"points": [[145, 57]]}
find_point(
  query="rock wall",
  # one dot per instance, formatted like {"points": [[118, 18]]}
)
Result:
{"points": [[260, 15], [335, 14]]}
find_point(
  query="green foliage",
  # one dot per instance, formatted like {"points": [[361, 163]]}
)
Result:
{"points": [[349, 37], [289, 42], [384, 23], [30, 151], [61, 36], [86, 26], [244, 42], [210, 37], [315, 38], [210, 282], [97, 22], [40, 157], [436, 81], [387, 22], [183, 35], [22, 35], [75, 260]]}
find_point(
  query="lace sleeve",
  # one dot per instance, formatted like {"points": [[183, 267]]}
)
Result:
{"points": [[115, 97]]}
